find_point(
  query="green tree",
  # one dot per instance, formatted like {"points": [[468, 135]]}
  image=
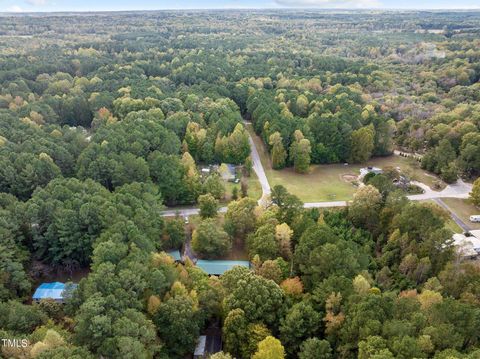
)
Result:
{"points": [[263, 243], [240, 219], [314, 348], [279, 155], [208, 206], [362, 144], [210, 240], [475, 194], [290, 207], [20, 318], [374, 347], [365, 207], [235, 331], [174, 233], [261, 299], [178, 323], [302, 156], [300, 323], [215, 186]]}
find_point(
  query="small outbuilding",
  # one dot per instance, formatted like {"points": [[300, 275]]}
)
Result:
{"points": [[366, 170], [200, 348], [175, 254], [218, 267], [210, 342], [55, 291]]}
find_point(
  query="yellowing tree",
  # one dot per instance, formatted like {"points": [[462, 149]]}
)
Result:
{"points": [[279, 154], [270, 348], [428, 298], [283, 235]]}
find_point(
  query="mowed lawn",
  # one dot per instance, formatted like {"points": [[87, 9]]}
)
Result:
{"points": [[463, 209], [332, 182], [254, 188]]}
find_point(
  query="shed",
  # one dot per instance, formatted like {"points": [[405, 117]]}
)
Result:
{"points": [[175, 254], [200, 348], [218, 267], [210, 342], [55, 291]]}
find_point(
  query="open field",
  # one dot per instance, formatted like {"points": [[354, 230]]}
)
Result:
{"points": [[333, 182], [463, 209]]}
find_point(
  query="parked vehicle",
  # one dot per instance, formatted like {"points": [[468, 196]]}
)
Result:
{"points": [[475, 218]]}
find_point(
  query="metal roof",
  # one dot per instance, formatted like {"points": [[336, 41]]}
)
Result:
{"points": [[218, 267], [51, 291], [175, 254], [200, 349]]}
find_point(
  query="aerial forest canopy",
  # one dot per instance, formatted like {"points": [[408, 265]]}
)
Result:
{"points": [[107, 119]]}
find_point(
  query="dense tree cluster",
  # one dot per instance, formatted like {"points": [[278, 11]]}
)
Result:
{"points": [[104, 120]]}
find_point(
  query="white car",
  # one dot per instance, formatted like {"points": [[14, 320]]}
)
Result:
{"points": [[475, 218]]}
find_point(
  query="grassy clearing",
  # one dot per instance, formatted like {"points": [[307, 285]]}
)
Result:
{"points": [[332, 182], [453, 226], [254, 188], [463, 209]]}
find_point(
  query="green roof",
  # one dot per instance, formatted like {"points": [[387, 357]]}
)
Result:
{"points": [[175, 254], [218, 267]]}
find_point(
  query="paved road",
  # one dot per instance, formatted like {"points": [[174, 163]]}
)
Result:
{"points": [[325, 204], [457, 219], [456, 190], [459, 189], [185, 212], [258, 168]]}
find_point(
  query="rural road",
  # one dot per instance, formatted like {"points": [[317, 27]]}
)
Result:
{"points": [[459, 189], [457, 219]]}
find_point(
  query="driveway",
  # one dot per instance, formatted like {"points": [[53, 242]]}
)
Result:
{"points": [[459, 189], [258, 168]]}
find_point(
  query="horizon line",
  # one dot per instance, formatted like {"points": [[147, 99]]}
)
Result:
{"points": [[241, 9]]}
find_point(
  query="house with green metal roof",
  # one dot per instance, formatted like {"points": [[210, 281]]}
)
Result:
{"points": [[175, 254], [218, 267]]}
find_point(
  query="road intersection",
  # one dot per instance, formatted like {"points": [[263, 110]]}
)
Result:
{"points": [[460, 189]]}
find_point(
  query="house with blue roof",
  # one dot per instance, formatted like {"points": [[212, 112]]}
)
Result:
{"points": [[218, 267], [55, 291]]}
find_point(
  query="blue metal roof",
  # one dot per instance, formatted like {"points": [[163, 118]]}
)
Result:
{"points": [[218, 267], [175, 254], [51, 291]]}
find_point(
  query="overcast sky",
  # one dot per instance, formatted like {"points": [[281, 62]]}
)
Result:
{"points": [[103, 5]]}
